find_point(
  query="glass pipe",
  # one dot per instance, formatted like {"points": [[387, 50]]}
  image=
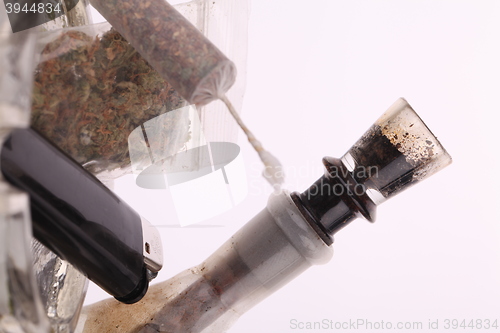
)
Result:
{"points": [[294, 232]]}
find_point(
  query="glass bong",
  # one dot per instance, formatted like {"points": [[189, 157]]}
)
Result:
{"points": [[294, 232]]}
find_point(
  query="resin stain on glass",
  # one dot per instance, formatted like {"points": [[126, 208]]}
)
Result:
{"points": [[400, 147]]}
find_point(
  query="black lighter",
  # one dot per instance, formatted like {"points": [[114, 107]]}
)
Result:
{"points": [[80, 219]]}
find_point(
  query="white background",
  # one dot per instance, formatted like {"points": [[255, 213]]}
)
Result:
{"points": [[319, 74]]}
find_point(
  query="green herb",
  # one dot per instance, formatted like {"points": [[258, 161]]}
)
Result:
{"points": [[182, 55], [91, 93]]}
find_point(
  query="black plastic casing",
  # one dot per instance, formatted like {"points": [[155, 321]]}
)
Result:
{"points": [[76, 216]]}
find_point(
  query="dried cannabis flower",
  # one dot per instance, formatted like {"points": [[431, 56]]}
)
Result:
{"points": [[91, 93]]}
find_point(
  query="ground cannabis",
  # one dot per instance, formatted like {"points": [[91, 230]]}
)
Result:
{"points": [[182, 55], [90, 93]]}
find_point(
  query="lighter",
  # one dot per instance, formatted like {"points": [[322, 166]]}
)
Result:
{"points": [[80, 219]]}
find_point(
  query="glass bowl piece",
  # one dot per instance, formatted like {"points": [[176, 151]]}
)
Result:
{"points": [[395, 153]]}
